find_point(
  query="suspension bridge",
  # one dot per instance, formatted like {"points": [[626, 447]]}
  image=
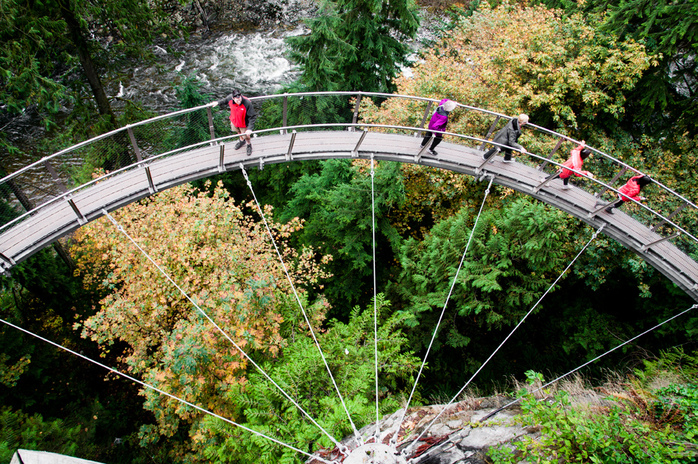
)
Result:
{"points": [[148, 161]]}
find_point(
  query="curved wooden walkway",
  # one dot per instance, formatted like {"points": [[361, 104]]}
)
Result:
{"points": [[67, 214]]}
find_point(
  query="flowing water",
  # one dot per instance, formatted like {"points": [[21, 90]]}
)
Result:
{"points": [[255, 63]]}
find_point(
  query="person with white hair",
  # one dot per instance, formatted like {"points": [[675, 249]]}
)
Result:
{"points": [[508, 137], [437, 124]]}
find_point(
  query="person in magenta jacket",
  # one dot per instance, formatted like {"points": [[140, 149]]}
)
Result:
{"points": [[575, 161], [437, 124], [631, 190]]}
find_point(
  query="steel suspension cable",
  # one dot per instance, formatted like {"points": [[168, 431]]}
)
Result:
{"points": [[593, 237], [300, 304], [162, 392], [593, 360], [223, 332], [375, 303], [393, 440]]}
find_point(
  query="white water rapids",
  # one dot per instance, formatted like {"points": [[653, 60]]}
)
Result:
{"points": [[256, 63]]}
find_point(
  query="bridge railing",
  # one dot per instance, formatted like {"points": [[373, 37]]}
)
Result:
{"points": [[63, 173]]}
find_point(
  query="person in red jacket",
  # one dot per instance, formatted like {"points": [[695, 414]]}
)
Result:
{"points": [[631, 190], [575, 161], [242, 117]]}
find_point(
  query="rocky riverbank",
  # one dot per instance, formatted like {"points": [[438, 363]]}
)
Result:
{"points": [[206, 16], [461, 433], [456, 437]]}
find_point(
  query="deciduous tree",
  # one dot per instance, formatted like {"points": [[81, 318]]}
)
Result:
{"points": [[561, 70], [224, 261]]}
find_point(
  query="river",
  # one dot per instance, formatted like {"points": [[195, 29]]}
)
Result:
{"points": [[255, 62]]}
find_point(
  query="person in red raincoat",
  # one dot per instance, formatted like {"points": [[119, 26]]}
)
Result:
{"points": [[631, 190], [575, 161]]}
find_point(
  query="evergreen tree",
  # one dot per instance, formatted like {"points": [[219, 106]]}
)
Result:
{"points": [[301, 373], [42, 44], [355, 45], [669, 28], [335, 205]]}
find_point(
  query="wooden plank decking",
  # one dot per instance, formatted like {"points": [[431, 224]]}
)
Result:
{"points": [[59, 218]]}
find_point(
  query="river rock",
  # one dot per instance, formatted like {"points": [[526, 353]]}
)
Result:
{"points": [[457, 435]]}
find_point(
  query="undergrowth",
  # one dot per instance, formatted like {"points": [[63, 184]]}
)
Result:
{"points": [[652, 417]]}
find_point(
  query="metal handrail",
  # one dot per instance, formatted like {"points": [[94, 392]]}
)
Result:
{"points": [[348, 124], [326, 125]]}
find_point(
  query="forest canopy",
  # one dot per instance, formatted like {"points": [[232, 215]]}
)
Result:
{"points": [[582, 70]]}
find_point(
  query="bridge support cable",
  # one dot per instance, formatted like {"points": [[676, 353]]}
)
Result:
{"points": [[393, 440], [164, 393], [375, 303], [220, 330], [300, 305], [695, 306], [571, 263]]}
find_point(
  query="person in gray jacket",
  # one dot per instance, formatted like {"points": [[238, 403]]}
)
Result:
{"points": [[508, 136]]}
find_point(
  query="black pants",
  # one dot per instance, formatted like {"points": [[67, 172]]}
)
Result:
{"points": [[437, 139], [494, 150]]}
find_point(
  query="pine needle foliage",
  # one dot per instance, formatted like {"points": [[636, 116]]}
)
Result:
{"points": [[356, 45]]}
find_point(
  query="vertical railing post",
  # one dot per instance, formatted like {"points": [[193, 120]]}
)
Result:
{"points": [[669, 217], [489, 132], [134, 144], [356, 111], [210, 123], [81, 219], [613, 181], [427, 112], [557, 147], [289, 153], [285, 115], [644, 248], [54, 175], [146, 168], [221, 158]]}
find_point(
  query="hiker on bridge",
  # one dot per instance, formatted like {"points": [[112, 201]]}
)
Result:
{"points": [[508, 137], [242, 117], [437, 124], [575, 161], [631, 190]]}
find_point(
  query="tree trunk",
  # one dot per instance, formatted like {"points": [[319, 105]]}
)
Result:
{"points": [[77, 36]]}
